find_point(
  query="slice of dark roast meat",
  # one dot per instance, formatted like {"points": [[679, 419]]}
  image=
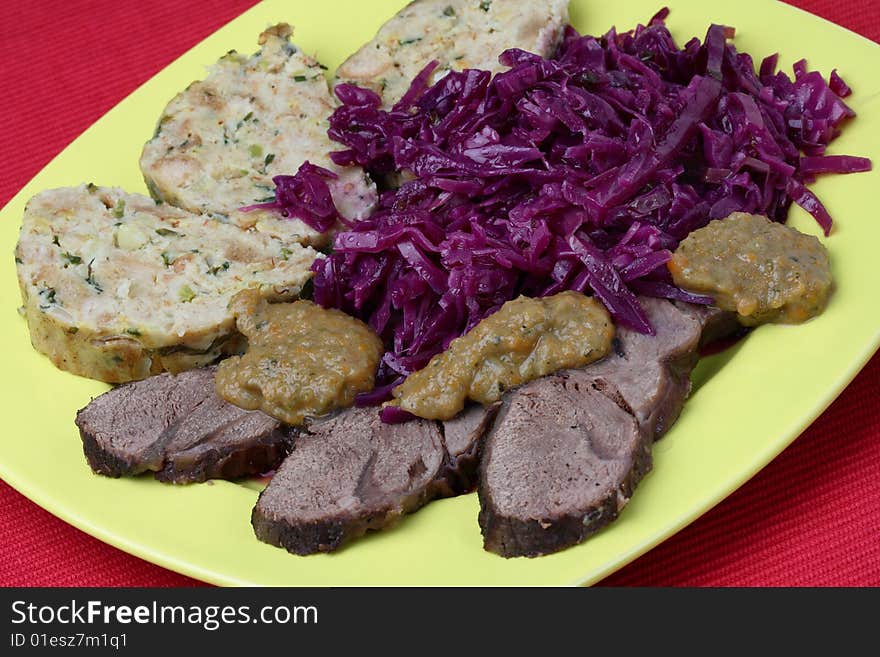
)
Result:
{"points": [[462, 438], [177, 427], [351, 472], [560, 462], [650, 374], [554, 435], [347, 474], [715, 324]]}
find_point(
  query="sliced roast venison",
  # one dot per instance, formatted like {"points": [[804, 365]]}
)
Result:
{"points": [[218, 440], [715, 324], [560, 462], [177, 427], [351, 472], [651, 373], [463, 440], [570, 437], [347, 474]]}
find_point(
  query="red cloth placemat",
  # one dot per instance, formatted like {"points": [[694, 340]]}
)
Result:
{"points": [[811, 517]]}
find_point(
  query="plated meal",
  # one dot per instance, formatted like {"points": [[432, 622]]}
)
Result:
{"points": [[515, 240]]}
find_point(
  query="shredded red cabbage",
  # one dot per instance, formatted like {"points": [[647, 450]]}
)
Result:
{"points": [[304, 196], [581, 172]]}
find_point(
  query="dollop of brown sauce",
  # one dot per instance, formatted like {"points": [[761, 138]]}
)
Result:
{"points": [[524, 340], [301, 361], [762, 270]]}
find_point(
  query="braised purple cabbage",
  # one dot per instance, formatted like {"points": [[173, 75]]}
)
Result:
{"points": [[578, 172]]}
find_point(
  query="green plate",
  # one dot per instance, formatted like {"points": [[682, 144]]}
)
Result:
{"points": [[748, 403]]}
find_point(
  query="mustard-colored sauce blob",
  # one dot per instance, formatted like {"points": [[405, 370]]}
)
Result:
{"points": [[301, 361], [762, 270], [524, 340]]}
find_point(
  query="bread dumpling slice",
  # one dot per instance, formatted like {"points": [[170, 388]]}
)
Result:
{"points": [[116, 287], [459, 34], [219, 142]]}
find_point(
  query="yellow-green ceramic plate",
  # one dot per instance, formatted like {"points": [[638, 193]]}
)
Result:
{"points": [[748, 403]]}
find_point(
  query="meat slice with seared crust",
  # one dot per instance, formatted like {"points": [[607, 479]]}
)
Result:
{"points": [[178, 428], [716, 324], [350, 473], [463, 441], [546, 480], [347, 474], [650, 374], [560, 462]]}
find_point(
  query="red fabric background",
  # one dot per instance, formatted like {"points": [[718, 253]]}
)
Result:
{"points": [[811, 517]]}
